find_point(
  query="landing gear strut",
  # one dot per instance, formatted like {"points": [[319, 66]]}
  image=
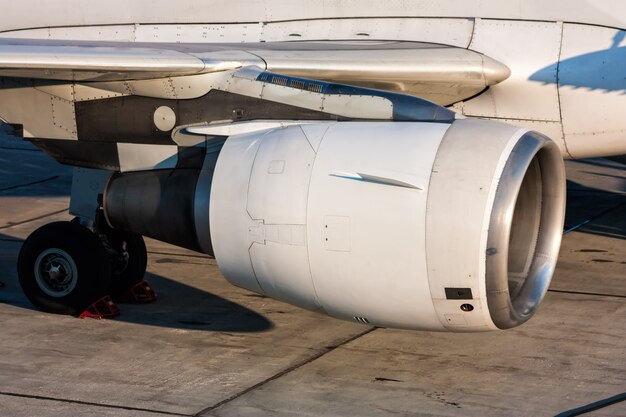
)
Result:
{"points": [[66, 268], [127, 253]]}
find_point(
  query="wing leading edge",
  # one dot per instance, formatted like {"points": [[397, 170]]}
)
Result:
{"points": [[442, 74]]}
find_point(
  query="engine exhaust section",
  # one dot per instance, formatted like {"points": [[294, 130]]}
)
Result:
{"points": [[430, 226]]}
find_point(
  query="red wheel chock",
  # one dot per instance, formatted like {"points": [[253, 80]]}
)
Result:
{"points": [[103, 308], [139, 293]]}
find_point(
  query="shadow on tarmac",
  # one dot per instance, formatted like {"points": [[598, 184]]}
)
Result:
{"points": [[182, 306], [597, 211], [179, 305]]}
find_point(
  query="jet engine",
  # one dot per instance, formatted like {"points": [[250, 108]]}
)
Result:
{"points": [[430, 226]]}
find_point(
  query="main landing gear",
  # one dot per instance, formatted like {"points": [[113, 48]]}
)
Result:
{"points": [[68, 268]]}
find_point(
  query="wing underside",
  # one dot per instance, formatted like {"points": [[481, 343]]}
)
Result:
{"points": [[442, 74], [91, 103]]}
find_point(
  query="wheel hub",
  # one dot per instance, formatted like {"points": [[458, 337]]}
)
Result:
{"points": [[55, 272]]}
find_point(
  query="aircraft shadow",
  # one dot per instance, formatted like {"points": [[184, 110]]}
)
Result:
{"points": [[593, 63], [179, 305], [25, 171], [596, 211], [185, 307]]}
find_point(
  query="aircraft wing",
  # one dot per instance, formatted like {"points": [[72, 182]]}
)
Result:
{"points": [[283, 159], [442, 74], [84, 62]]}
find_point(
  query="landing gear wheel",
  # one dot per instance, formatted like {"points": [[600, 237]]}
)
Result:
{"points": [[63, 268], [131, 263]]}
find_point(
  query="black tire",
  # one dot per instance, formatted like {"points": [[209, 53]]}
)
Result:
{"points": [[125, 276], [71, 246]]}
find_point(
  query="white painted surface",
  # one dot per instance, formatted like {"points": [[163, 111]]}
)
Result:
{"points": [[462, 189], [457, 32], [119, 33], [232, 228], [139, 157], [37, 14], [343, 105], [186, 32], [164, 118], [349, 106], [553, 130], [279, 182], [592, 86], [86, 185], [375, 265], [381, 247], [35, 110], [239, 128], [524, 47]]}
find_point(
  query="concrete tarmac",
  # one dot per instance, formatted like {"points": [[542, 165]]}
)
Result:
{"points": [[207, 348]]}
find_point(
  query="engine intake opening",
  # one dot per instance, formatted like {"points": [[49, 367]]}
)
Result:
{"points": [[525, 230]]}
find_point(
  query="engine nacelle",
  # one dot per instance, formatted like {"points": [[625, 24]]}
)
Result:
{"points": [[429, 226], [409, 225]]}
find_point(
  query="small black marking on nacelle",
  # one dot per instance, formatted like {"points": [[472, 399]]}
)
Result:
{"points": [[459, 293]]}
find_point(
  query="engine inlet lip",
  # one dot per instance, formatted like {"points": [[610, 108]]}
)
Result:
{"points": [[505, 312]]}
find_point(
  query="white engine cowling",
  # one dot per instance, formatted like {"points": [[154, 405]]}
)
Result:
{"points": [[426, 226]]}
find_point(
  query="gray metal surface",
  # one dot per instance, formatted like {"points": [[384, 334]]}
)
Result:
{"points": [[440, 73], [528, 213], [207, 347]]}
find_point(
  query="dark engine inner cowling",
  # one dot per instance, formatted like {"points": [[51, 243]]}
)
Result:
{"points": [[170, 205], [158, 204]]}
